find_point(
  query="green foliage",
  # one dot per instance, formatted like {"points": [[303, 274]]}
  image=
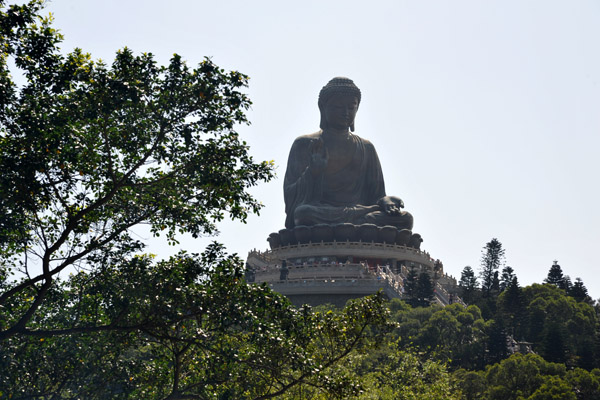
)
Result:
{"points": [[496, 342], [555, 276], [424, 292], [579, 292], [418, 288], [511, 310], [468, 285], [471, 383], [519, 376], [553, 388], [491, 260], [189, 326], [451, 334], [389, 373], [561, 328], [407, 375], [586, 385], [89, 151], [528, 377], [508, 274], [410, 285], [576, 290]]}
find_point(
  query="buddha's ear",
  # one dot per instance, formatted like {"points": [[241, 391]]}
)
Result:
{"points": [[323, 122], [352, 127]]}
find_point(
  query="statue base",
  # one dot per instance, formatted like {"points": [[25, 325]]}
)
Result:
{"points": [[345, 232], [335, 271]]}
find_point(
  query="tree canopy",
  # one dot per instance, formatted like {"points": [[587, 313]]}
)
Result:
{"points": [[88, 151]]}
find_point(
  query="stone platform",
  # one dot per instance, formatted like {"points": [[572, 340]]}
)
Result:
{"points": [[344, 232], [334, 272]]}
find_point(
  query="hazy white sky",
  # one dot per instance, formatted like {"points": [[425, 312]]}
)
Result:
{"points": [[485, 114]]}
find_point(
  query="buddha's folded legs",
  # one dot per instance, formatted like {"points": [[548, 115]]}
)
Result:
{"points": [[312, 214], [404, 220], [308, 214]]}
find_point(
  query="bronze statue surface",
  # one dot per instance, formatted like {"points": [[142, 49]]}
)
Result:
{"points": [[334, 176]]}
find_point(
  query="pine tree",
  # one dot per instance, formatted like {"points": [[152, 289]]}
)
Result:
{"points": [[555, 275], [511, 308], [495, 284], [491, 260], [566, 284], [506, 278], [424, 292], [578, 291], [596, 346], [553, 344], [496, 343], [467, 285], [410, 284]]}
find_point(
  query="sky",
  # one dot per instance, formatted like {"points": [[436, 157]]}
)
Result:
{"points": [[485, 114]]}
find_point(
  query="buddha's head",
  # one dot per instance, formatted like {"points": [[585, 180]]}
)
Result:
{"points": [[338, 103]]}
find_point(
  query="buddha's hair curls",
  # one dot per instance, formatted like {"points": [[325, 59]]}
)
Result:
{"points": [[338, 85]]}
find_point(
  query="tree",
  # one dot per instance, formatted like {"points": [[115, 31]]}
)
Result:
{"points": [[496, 342], [471, 383], [553, 343], [492, 259], [555, 275], [468, 285], [452, 334], [424, 290], [528, 377], [418, 288], [495, 284], [579, 292], [407, 375], [410, 285], [508, 274], [88, 152], [511, 309], [566, 284], [185, 328], [586, 385], [553, 388], [518, 376], [559, 327], [391, 373]]}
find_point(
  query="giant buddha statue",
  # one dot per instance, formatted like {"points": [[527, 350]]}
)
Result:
{"points": [[333, 176]]}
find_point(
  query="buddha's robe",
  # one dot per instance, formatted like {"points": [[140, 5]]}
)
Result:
{"points": [[333, 196]]}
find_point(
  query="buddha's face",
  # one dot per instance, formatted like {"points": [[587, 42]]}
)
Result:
{"points": [[340, 111]]}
